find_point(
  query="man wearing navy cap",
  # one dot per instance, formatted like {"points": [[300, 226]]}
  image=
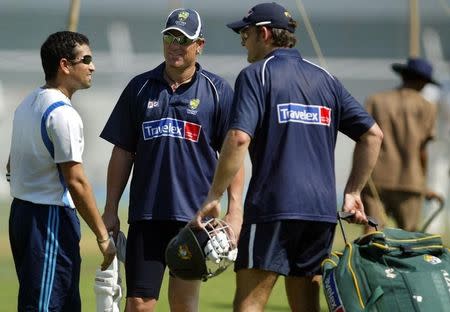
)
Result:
{"points": [[168, 125], [287, 111], [408, 122]]}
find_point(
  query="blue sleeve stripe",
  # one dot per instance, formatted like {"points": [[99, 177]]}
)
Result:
{"points": [[51, 253], [48, 143]]}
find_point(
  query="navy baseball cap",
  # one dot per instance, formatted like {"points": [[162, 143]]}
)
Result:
{"points": [[416, 67], [185, 20], [270, 14]]}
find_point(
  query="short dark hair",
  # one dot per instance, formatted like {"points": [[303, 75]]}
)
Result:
{"points": [[57, 46], [284, 38]]}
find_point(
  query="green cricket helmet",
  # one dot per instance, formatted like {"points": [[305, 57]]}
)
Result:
{"points": [[199, 254]]}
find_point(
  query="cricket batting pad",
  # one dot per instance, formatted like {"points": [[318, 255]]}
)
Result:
{"points": [[107, 288]]}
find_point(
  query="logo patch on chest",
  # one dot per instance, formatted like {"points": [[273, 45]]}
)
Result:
{"points": [[193, 105], [171, 127]]}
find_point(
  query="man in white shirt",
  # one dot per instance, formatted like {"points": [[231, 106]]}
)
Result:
{"points": [[48, 182]]}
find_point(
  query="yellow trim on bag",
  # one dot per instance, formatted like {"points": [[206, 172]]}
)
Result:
{"points": [[414, 239], [328, 260], [370, 234], [335, 253], [431, 246], [381, 246], [355, 280]]}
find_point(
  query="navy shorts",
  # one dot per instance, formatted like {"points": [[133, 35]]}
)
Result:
{"points": [[45, 242], [287, 247], [146, 246]]}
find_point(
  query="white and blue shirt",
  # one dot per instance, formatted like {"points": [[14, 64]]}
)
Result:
{"points": [[46, 131], [293, 110], [175, 136]]}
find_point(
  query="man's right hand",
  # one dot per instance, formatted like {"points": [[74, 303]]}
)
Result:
{"points": [[210, 208], [108, 249], [353, 204]]}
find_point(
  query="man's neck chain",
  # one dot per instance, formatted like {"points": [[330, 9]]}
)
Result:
{"points": [[175, 84]]}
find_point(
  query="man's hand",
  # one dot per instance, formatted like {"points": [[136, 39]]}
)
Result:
{"points": [[108, 249], [353, 204], [211, 208]]}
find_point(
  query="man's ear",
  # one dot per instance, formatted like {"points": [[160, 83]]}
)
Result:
{"points": [[64, 65], [265, 33], [201, 44]]}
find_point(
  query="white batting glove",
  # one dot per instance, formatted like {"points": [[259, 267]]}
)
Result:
{"points": [[216, 247]]}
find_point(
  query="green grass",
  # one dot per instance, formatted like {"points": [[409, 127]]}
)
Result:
{"points": [[216, 294]]}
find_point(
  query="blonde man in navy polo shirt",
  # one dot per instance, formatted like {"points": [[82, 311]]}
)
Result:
{"points": [[287, 111], [169, 125]]}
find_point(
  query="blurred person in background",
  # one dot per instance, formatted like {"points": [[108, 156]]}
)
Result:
{"points": [[287, 111], [168, 125], [48, 182], [408, 122]]}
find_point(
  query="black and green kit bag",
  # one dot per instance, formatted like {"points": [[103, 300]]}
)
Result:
{"points": [[392, 270]]}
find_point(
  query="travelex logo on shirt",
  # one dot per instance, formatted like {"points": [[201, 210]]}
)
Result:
{"points": [[307, 114], [171, 127]]}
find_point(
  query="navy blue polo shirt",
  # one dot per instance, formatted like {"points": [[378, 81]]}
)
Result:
{"points": [[176, 137], [293, 111]]}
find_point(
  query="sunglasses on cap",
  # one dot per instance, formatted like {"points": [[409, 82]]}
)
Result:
{"points": [[181, 40], [87, 59]]}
